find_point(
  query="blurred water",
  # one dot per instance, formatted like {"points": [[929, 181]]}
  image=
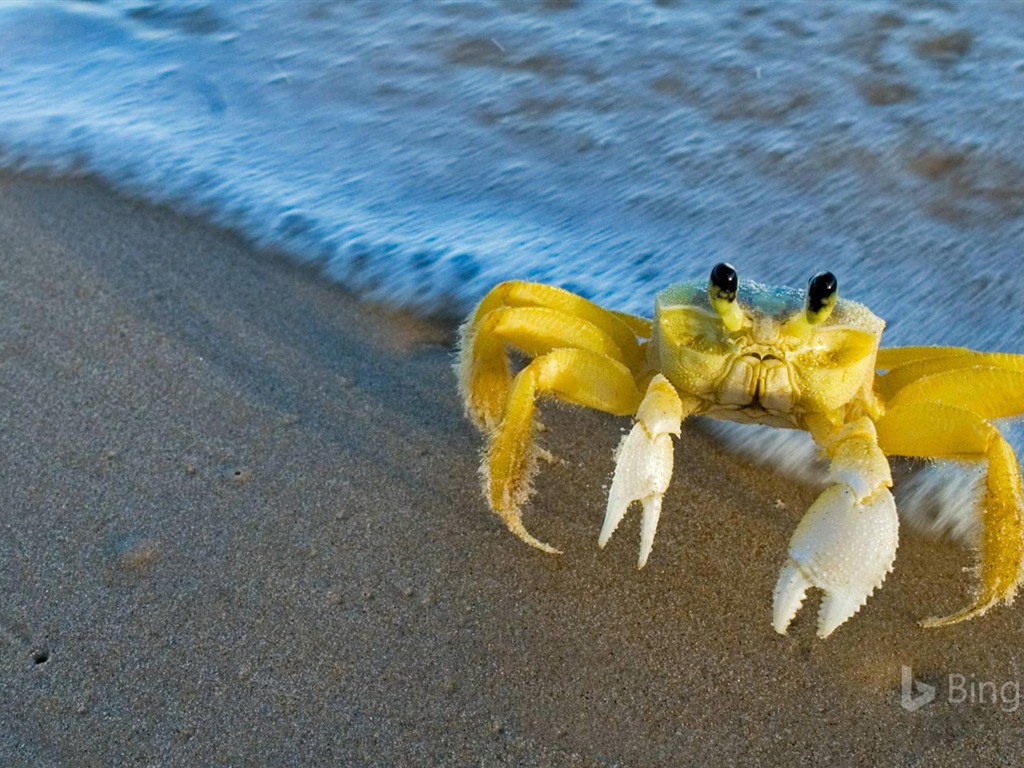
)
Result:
{"points": [[424, 151]]}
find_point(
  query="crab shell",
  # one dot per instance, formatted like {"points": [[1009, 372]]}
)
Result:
{"points": [[778, 368]]}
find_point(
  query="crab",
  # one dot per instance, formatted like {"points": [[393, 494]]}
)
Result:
{"points": [[777, 356]]}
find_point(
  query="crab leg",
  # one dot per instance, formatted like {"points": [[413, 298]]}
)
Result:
{"points": [[518, 293], [536, 331], [936, 430], [993, 381], [891, 358], [536, 319], [846, 542], [574, 375], [643, 462]]}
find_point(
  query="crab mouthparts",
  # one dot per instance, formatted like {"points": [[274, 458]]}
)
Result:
{"points": [[760, 384], [758, 380]]}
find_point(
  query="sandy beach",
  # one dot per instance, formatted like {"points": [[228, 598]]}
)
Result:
{"points": [[242, 525]]}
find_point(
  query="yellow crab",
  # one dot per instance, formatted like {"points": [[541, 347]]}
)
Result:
{"points": [[777, 356]]}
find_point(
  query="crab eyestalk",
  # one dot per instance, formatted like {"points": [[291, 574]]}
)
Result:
{"points": [[822, 292], [722, 287]]}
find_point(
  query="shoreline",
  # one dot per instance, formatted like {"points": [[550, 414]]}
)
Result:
{"points": [[243, 526]]}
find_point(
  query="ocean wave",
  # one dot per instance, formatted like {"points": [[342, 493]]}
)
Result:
{"points": [[423, 152]]}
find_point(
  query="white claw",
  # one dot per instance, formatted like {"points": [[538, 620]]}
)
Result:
{"points": [[837, 607], [649, 524], [843, 546], [790, 591], [643, 469], [619, 496]]}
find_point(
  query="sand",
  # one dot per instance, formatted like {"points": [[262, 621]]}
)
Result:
{"points": [[242, 525]]}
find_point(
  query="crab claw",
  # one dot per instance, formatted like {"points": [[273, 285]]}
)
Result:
{"points": [[843, 546], [643, 464], [642, 473]]}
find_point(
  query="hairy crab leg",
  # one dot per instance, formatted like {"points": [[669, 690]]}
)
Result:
{"points": [[935, 430], [975, 379], [623, 328], [643, 462], [846, 542], [891, 358], [484, 373], [640, 326], [483, 369], [574, 375]]}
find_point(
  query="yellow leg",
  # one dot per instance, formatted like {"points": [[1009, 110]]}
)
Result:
{"points": [[936, 430], [574, 375], [641, 326], [484, 373], [621, 327], [989, 391], [982, 375], [896, 357], [536, 318]]}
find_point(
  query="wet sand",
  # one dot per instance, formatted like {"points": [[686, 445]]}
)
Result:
{"points": [[242, 526]]}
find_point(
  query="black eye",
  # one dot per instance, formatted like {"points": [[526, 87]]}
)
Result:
{"points": [[821, 290], [725, 280]]}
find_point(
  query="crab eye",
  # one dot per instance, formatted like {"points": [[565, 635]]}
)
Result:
{"points": [[722, 289], [822, 290], [725, 280]]}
